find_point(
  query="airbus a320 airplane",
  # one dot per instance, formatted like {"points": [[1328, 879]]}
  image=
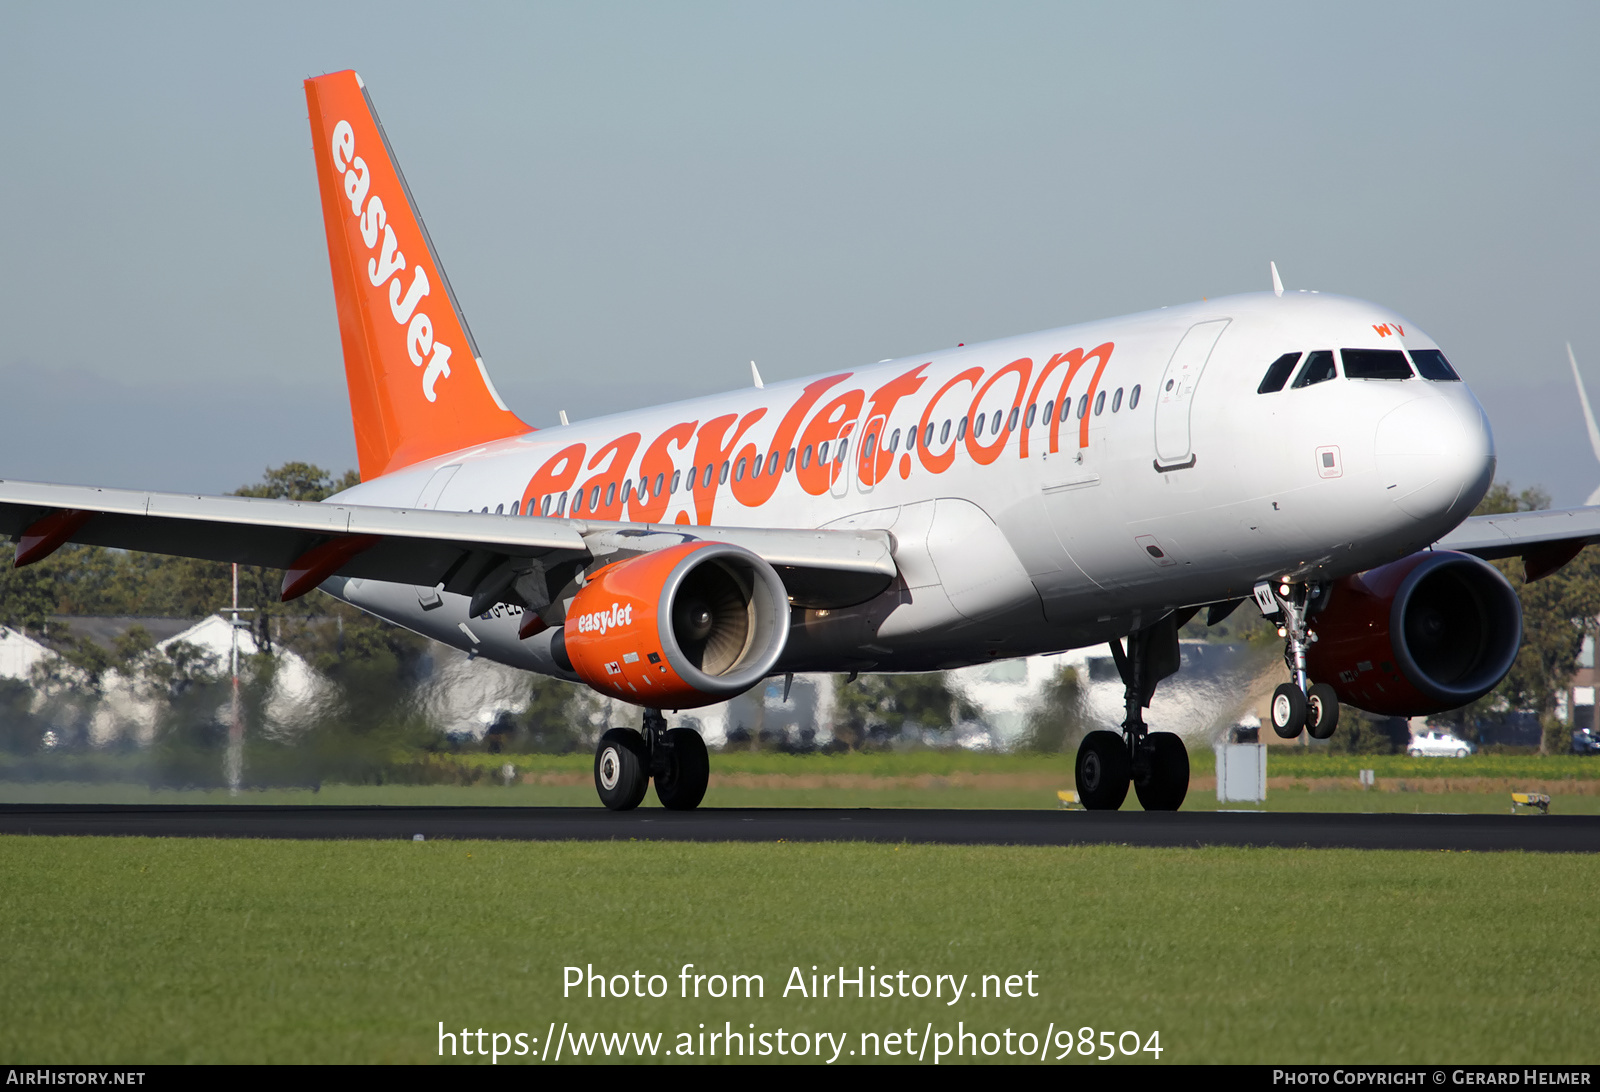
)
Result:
{"points": [[1091, 484]]}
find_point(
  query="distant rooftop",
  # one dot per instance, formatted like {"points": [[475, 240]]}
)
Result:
{"points": [[104, 630]]}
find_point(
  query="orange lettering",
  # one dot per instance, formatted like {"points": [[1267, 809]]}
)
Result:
{"points": [[825, 427], [710, 450], [938, 464], [882, 404], [610, 507], [658, 461], [755, 490], [555, 476], [986, 454]]}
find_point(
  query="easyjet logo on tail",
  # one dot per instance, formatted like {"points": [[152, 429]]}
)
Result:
{"points": [[389, 262], [408, 355]]}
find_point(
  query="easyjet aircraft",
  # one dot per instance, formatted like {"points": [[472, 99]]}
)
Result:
{"points": [[1091, 484]]}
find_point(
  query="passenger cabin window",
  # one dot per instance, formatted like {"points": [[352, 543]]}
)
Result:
{"points": [[1278, 374], [1318, 368], [1432, 364], [1375, 364]]}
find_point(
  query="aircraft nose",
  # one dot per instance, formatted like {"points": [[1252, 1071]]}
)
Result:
{"points": [[1435, 456]]}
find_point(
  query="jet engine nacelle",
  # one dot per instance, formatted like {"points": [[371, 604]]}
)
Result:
{"points": [[677, 628], [1421, 635]]}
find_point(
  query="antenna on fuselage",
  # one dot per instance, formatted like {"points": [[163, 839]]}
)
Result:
{"points": [[755, 377], [564, 420], [1588, 416], [1277, 281]]}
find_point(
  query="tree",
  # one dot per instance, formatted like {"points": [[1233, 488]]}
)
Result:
{"points": [[881, 706], [1059, 720]]}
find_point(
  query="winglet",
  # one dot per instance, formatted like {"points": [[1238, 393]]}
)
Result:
{"points": [[418, 387], [1277, 282], [1588, 415]]}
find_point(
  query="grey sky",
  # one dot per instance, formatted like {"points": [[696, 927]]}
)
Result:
{"points": [[634, 201]]}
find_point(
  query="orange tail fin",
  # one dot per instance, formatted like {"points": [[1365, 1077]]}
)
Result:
{"points": [[418, 387]]}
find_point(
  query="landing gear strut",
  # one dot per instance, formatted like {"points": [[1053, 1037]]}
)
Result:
{"points": [[1155, 762], [1295, 706], [626, 761]]}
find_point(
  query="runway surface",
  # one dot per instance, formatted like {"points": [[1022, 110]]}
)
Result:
{"points": [[1543, 833]]}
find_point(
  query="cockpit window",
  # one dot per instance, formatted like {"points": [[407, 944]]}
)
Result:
{"points": [[1375, 364], [1278, 374], [1432, 364], [1318, 368]]}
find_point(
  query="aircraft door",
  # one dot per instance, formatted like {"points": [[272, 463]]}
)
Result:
{"points": [[870, 454], [839, 474], [1176, 392]]}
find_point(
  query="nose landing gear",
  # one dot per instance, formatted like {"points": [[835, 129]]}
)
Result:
{"points": [[625, 762], [1156, 763], [1295, 706]]}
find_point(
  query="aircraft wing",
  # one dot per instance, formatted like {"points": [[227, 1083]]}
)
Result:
{"points": [[470, 553], [1545, 540]]}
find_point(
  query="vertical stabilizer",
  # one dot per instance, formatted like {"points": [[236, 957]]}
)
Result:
{"points": [[418, 387]]}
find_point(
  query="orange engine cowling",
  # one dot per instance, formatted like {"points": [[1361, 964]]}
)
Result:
{"points": [[1421, 635], [677, 628]]}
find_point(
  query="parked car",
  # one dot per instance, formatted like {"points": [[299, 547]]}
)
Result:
{"points": [[1585, 742], [1438, 743]]}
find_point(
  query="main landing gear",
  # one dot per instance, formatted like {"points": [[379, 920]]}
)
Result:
{"points": [[1156, 763], [626, 761], [1295, 706]]}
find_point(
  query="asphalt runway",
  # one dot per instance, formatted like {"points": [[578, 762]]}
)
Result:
{"points": [[1541, 833]]}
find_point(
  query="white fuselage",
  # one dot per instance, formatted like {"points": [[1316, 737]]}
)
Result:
{"points": [[1045, 535]]}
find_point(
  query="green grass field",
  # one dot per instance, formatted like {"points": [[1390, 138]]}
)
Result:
{"points": [[152, 950], [926, 778]]}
